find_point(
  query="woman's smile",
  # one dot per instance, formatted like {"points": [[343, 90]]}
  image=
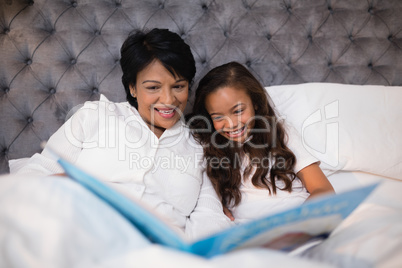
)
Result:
{"points": [[161, 96], [166, 112]]}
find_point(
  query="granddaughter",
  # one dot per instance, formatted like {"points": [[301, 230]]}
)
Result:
{"points": [[254, 166]]}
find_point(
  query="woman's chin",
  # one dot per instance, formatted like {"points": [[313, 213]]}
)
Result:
{"points": [[167, 122]]}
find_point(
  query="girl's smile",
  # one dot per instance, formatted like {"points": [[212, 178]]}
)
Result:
{"points": [[232, 112], [236, 133]]}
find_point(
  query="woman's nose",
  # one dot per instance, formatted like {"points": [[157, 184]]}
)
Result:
{"points": [[167, 96]]}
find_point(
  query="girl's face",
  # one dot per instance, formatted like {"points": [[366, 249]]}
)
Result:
{"points": [[161, 97], [232, 113]]}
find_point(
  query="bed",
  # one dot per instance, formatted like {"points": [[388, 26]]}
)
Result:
{"points": [[332, 69]]}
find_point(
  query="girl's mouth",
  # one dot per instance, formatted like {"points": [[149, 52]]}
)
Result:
{"points": [[236, 133]]}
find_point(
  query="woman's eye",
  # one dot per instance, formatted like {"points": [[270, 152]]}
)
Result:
{"points": [[152, 88], [179, 87], [238, 111]]}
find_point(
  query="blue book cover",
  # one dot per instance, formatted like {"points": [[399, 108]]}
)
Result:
{"points": [[285, 230]]}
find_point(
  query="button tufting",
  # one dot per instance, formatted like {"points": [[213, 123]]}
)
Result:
{"points": [[31, 20]]}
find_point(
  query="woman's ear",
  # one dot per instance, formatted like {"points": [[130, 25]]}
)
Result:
{"points": [[133, 91]]}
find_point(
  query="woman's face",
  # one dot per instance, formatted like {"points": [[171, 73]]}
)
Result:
{"points": [[232, 113], [161, 97]]}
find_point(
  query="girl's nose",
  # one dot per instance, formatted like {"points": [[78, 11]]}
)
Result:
{"points": [[230, 122]]}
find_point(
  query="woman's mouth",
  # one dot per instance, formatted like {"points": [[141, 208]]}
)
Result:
{"points": [[236, 133], [166, 112]]}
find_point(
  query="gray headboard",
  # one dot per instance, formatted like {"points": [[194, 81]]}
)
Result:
{"points": [[56, 54]]}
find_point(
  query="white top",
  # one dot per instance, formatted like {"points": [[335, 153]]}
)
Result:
{"points": [[256, 202], [111, 141]]}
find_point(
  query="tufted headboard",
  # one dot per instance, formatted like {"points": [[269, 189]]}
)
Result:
{"points": [[56, 54]]}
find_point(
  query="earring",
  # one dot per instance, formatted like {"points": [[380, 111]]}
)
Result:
{"points": [[133, 95]]}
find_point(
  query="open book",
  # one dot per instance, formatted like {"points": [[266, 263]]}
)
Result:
{"points": [[285, 230]]}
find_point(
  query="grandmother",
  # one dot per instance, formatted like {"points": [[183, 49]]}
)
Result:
{"points": [[142, 147]]}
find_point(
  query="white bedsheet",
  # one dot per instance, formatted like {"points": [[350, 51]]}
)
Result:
{"points": [[372, 235], [53, 222]]}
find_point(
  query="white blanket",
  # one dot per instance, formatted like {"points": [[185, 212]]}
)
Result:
{"points": [[53, 222]]}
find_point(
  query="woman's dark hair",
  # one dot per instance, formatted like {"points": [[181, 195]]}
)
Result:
{"points": [[270, 142], [140, 49]]}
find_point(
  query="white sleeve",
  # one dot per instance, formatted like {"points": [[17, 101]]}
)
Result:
{"points": [[207, 217], [67, 141], [295, 144]]}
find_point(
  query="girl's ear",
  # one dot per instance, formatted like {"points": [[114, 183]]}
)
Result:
{"points": [[133, 91]]}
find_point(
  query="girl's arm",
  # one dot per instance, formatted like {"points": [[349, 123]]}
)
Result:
{"points": [[207, 217], [315, 180]]}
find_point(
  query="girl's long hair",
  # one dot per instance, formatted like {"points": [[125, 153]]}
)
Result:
{"points": [[267, 143]]}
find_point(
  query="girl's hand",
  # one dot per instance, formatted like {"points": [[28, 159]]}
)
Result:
{"points": [[315, 181], [228, 213]]}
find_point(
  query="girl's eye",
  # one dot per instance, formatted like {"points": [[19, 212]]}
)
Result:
{"points": [[238, 111], [217, 118]]}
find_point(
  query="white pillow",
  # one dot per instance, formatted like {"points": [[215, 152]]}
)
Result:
{"points": [[17, 164], [347, 127]]}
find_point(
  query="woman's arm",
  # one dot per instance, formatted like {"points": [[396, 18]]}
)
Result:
{"points": [[66, 141], [315, 180]]}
